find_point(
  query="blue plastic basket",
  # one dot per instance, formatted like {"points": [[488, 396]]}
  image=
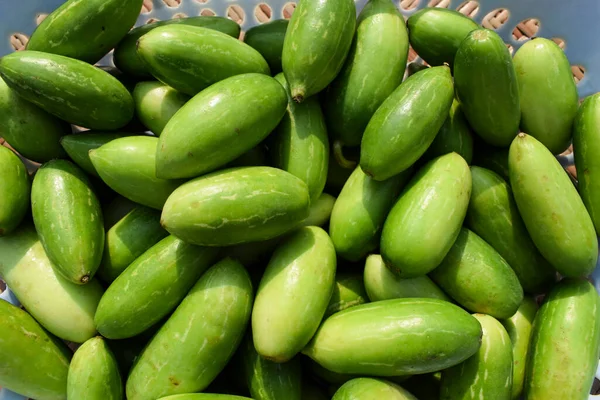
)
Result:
{"points": [[574, 24]]}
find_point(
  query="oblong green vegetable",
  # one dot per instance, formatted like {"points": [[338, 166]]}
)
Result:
{"points": [[199, 338], [483, 65], [94, 373], [563, 353], [128, 166], [78, 147], [494, 216], [382, 284], [268, 380], [371, 389], [300, 144], [548, 94], [65, 309], [85, 29], [31, 131], [552, 210], [454, 135], [156, 103], [191, 58], [268, 39], [478, 278], [316, 44], [486, 375], [348, 291], [406, 124], [320, 210], [128, 239], [360, 211], [293, 294], [519, 328], [426, 219], [367, 78], [237, 205], [127, 59], [68, 219], [33, 363], [72, 90], [586, 147], [361, 340], [151, 287], [220, 124], [15, 189], [436, 33]]}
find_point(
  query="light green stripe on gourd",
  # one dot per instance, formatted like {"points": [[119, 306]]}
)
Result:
{"points": [[487, 374], [68, 219], [316, 44], [293, 294], [199, 338], [552, 210], [94, 373], [33, 363], [64, 308], [15, 189]]}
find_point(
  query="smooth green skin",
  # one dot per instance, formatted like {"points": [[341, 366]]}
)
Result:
{"points": [[316, 44], [371, 389], [425, 221], [548, 93], [151, 287], [493, 215], [360, 211], [563, 353], [72, 90], [293, 294], [15, 189], [128, 166], [455, 135], [68, 219], [115, 210], [495, 160], [191, 58], [382, 284], [94, 373], [128, 239], [33, 363], [552, 210], [519, 328], [78, 146], [220, 124], [126, 58], [268, 39], [486, 375], [436, 33], [62, 307], [156, 103], [199, 338], [385, 338], [268, 380], [406, 124], [85, 29], [320, 210], [478, 278], [586, 145], [300, 144], [483, 65], [31, 131], [366, 78], [237, 205], [204, 396], [349, 291]]}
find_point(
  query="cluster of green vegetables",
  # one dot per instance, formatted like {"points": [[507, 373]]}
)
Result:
{"points": [[187, 236]]}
